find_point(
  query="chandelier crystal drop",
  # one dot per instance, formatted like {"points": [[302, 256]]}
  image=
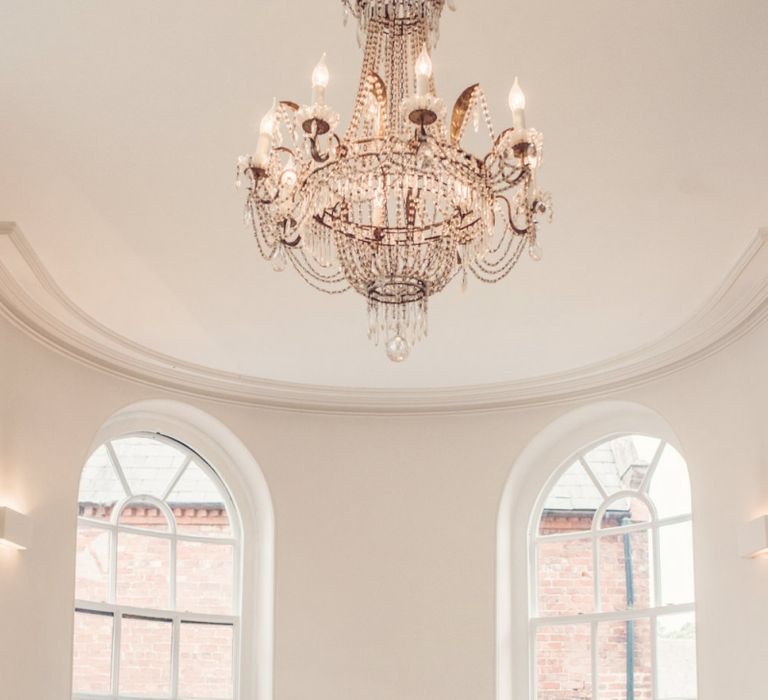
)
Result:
{"points": [[394, 207]]}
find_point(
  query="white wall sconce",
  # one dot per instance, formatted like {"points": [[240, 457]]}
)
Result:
{"points": [[754, 538], [15, 529]]}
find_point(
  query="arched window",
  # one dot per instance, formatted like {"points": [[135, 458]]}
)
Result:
{"points": [[157, 611], [611, 561]]}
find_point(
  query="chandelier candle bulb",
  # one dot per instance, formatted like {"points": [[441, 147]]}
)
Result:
{"points": [[320, 78], [289, 176], [423, 72], [517, 105], [377, 215], [266, 128], [532, 187]]}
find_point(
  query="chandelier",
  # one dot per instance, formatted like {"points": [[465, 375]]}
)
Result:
{"points": [[393, 207]]}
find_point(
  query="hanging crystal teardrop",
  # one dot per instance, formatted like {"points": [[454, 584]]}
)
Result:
{"points": [[279, 261], [398, 349]]}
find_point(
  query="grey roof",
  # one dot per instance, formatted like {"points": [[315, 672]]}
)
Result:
{"points": [[149, 466], [612, 464]]}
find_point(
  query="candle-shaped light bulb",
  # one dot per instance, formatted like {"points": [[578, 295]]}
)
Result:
{"points": [[289, 176], [320, 78], [532, 189], [266, 128], [267, 125], [517, 105], [423, 72], [377, 210]]}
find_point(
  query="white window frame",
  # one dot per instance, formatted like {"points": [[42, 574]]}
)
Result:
{"points": [[176, 618], [594, 535]]}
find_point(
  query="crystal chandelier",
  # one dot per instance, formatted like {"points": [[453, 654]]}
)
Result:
{"points": [[393, 207]]}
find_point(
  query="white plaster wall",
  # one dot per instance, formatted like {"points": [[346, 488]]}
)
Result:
{"points": [[386, 527]]}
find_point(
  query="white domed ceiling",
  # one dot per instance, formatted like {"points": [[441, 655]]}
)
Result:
{"points": [[121, 123]]}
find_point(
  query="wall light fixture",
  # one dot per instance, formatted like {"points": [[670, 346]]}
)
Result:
{"points": [[15, 529], [754, 538]]}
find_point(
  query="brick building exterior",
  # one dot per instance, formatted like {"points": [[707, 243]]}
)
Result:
{"points": [[566, 586], [204, 584]]}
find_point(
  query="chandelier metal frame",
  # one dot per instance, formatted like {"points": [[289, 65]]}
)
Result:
{"points": [[394, 208]]}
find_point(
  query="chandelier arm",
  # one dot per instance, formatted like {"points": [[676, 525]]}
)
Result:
{"points": [[316, 155], [503, 172], [510, 218], [321, 167], [291, 243], [264, 199], [504, 183]]}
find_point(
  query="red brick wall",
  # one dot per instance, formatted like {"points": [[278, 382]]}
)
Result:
{"points": [[565, 586], [204, 584]]}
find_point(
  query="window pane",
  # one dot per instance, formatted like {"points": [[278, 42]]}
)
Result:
{"points": [[622, 464], [670, 487], [92, 564], [144, 515], [571, 503], [626, 571], [626, 511], [564, 662], [92, 662], [198, 504], [145, 657], [205, 661], [624, 656], [645, 448], [149, 465], [100, 487], [676, 657], [204, 573], [565, 577], [676, 556], [143, 571]]}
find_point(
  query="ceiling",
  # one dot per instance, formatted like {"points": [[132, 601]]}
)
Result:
{"points": [[120, 124]]}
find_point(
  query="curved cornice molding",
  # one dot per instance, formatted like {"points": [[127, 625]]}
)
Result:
{"points": [[31, 299]]}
